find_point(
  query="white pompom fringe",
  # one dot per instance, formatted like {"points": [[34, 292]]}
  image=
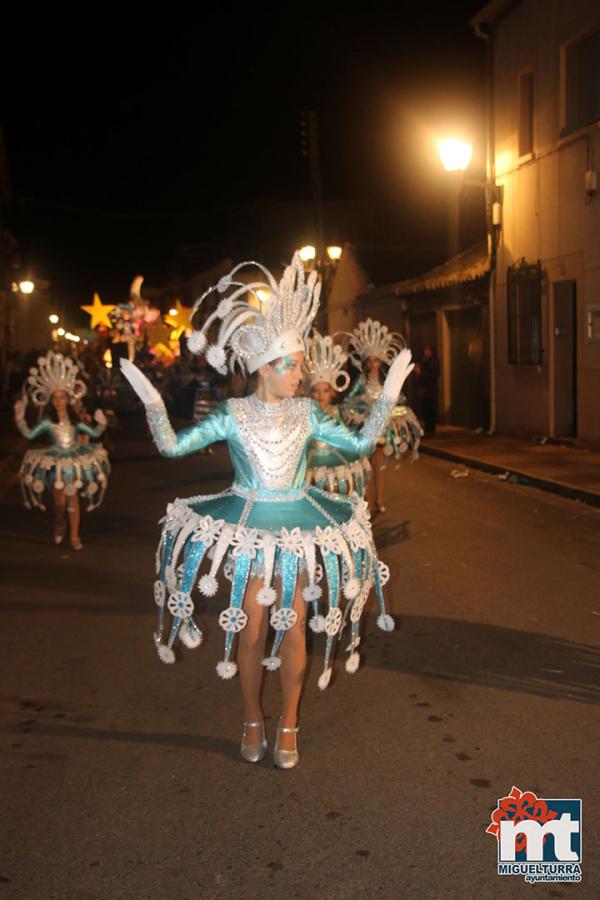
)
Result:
{"points": [[215, 356], [352, 663], [352, 588], [325, 679], [312, 592], [226, 669], [208, 585], [190, 637], [266, 596], [271, 663], [196, 342], [317, 624], [385, 622], [165, 653]]}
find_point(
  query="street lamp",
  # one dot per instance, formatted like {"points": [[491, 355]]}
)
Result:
{"points": [[307, 253], [53, 318], [26, 287], [455, 154], [263, 298], [334, 253]]}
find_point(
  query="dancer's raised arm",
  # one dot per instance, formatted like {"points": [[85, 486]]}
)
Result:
{"points": [[21, 422], [362, 442], [214, 427]]}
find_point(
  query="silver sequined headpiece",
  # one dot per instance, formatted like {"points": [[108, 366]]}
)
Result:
{"points": [[254, 336], [372, 339], [54, 372], [325, 362]]}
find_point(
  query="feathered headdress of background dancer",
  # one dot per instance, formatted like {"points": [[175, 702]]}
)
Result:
{"points": [[54, 372], [251, 337], [325, 362], [371, 338]]}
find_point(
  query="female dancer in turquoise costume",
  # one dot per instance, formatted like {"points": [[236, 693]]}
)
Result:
{"points": [[372, 345], [330, 468], [68, 469], [271, 533]]}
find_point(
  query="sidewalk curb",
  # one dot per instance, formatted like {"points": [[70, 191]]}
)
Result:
{"points": [[526, 479]]}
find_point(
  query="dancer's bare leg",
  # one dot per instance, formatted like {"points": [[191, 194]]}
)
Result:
{"points": [[59, 512], [251, 650], [74, 517], [293, 667]]}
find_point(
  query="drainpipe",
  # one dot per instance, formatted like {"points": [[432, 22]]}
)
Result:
{"points": [[485, 33]]}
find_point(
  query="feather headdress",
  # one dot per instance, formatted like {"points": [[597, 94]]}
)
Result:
{"points": [[251, 336], [54, 372]]}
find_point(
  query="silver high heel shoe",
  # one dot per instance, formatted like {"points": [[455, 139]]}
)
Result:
{"points": [[253, 752], [285, 759]]}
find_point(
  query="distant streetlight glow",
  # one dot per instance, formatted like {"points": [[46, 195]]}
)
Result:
{"points": [[173, 311], [334, 253], [26, 287], [53, 318], [307, 253], [263, 298], [60, 331], [455, 154]]}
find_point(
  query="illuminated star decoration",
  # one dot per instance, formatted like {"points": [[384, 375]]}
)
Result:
{"points": [[99, 312], [180, 322]]}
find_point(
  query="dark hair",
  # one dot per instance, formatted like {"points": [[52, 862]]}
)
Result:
{"points": [[50, 413]]}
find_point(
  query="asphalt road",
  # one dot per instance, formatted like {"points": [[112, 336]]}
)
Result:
{"points": [[121, 776]]}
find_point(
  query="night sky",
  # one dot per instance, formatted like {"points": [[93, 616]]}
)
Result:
{"points": [[130, 143]]}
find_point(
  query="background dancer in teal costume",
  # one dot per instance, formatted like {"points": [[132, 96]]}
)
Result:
{"points": [[372, 346], [68, 469], [270, 533], [330, 468]]}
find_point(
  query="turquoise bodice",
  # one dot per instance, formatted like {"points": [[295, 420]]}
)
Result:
{"points": [[63, 435], [268, 442]]}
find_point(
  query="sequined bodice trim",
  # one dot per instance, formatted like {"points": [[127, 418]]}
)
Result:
{"points": [[274, 436], [64, 435]]}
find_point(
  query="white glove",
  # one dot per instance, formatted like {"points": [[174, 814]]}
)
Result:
{"points": [[19, 408], [399, 372], [138, 381], [99, 417]]}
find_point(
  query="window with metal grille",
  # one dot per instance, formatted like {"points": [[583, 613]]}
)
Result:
{"points": [[525, 313]]}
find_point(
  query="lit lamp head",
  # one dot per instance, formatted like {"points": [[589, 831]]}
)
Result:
{"points": [[307, 253], [26, 287], [334, 253], [455, 154]]}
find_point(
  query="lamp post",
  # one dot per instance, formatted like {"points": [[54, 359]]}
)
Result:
{"points": [[456, 156], [326, 268]]}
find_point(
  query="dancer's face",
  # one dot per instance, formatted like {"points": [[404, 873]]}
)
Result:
{"points": [[322, 392], [282, 377], [373, 365], [60, 401]]}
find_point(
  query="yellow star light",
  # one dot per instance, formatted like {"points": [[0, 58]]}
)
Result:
{"points": [[161, 351], [99, 312], [180, 321]]}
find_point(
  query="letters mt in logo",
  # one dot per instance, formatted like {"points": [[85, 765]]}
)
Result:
{"points": [[529, 829]]}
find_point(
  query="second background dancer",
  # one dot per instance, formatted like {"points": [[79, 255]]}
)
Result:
{"points": [[371, 347]]}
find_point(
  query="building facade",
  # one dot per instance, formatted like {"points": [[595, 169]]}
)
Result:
{"points": [[545, 323]]}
